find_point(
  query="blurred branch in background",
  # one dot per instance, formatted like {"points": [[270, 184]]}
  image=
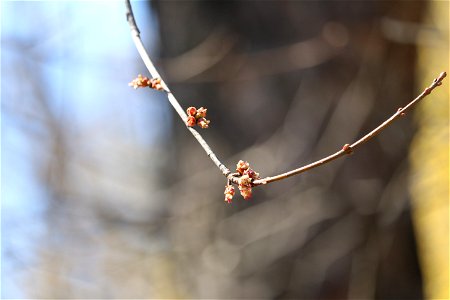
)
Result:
{"points": [[214, 53], [77, 157]]}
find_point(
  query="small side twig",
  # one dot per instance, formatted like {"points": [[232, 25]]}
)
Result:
{"points": [[348, 149]]}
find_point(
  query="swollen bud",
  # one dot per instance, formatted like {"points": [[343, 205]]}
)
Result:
{"points": [[229, 193], [197, 117]]}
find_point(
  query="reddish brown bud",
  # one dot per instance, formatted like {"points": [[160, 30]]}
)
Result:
{"points": [[203, 123], [229, 193], [190, 121], [245, 180], [197, 116], [155, 83], [427, 91], [191, 111], [252, 174], [347, 149], [241, 166], [201, 112], [402, 114], [246, 192], [140, 82]]}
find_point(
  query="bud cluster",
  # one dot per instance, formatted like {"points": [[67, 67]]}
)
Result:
{"points": [[143, 81], [247, 175], [229, 193], [197, 117]]}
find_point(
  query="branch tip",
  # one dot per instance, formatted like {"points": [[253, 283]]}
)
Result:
{"points": [[348, 149]]}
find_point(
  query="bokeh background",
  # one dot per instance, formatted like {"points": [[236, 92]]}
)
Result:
{"points": [[105, 194]]}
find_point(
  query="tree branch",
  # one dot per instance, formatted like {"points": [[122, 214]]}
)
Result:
{"points": [[135, 34], [234, 177], [348, 149]]}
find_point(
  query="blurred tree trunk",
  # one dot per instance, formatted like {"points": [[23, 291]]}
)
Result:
{"points": [[286, 83], [430, 157]]}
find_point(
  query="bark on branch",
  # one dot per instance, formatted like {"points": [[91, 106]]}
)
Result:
{"points": [[233, 177]]}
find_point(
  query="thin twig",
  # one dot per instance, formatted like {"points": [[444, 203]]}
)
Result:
{"points": [[348, 149], [135, 34], [232, 177]]}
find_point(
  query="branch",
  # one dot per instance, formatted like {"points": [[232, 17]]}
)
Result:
{"points": [[246, 177], [135, 34], [348, 149]]}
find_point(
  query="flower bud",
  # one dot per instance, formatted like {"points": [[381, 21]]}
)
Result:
{"points": [[191, 111], [246, 192], [155, 83], [190, 121], [241, 166], [244, 180], [201, 112], [140, 81], [250, 173], [229, 193], [203, 123]]}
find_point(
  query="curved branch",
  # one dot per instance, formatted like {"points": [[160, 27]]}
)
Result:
{"points": [[233, 177], [348, 149], [135, 34]]}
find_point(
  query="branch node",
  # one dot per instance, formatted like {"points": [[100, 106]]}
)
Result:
{"points": [[347, 149]]}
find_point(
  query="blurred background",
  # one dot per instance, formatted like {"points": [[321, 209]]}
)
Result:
{"points": [[105, 194]]}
